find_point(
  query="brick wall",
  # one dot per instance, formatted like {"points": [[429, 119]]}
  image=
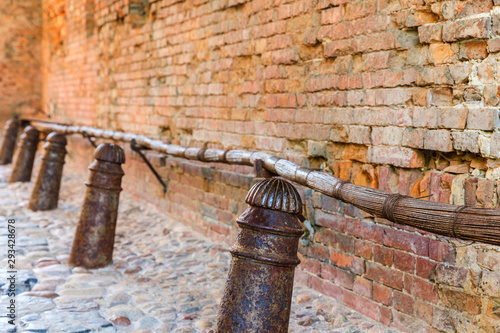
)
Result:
{"points": [[397, 95], [20, 61]]}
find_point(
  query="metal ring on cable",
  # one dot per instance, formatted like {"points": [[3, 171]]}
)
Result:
{"points": [[389, 205], [224, 156], [458, 210], [201, 155], [337, 189]]}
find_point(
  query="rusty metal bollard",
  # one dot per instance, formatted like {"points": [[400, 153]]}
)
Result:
{"points": [[258, 292], [8, 141], [25, 155], [48, 182], [95, 233]]}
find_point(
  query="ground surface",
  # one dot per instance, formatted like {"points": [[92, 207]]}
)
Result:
{"points": [[165, 277]]}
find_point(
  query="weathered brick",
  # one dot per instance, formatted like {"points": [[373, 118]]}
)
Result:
{"points": [[449, 275], [438, 140], [473, 50], [338, 48], [483, 119], [479, 27], [466, 141], [331, 15], [397, 156], [443, 53], [460, 301], [430, 33]]}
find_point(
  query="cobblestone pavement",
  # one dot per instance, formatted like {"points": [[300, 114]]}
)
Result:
{"points": [[165, 277]]}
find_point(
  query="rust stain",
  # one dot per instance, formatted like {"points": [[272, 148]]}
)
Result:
{"points": [[95, 234], [25, 155], [8, 141], [48, 182], [258, 292]]}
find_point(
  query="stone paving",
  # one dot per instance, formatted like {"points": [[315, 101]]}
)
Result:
{"points": [[165, 277]]}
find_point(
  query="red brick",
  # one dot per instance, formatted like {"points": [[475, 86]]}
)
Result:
{"points": [[361, 304], [363, 287], [382, 255], [385, 316], [408, 242], [326, 288], [404, 261], [441, 251], [313, 266], [424, 267], [402, 302], [337, 276], [382, 294], [333, 221], [363, 249], [384, 275], [344, 243], [318, 251], [365, 230], [352, 263], [421, 288]]}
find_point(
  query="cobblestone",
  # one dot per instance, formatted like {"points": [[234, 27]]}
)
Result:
{"points": [[165, 277]]}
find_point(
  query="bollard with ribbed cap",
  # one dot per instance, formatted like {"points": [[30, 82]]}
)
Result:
{"points": [[95, 234], [45, 193], [258, 292], [8, 141], [25, 155]]}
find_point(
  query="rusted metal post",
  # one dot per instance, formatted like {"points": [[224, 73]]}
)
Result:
{"points": [[258, 292], [48, 182], [95, 233], [8, 141], [25, 155]]}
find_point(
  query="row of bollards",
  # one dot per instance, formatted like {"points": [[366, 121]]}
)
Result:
{"points": [[258, 292]]}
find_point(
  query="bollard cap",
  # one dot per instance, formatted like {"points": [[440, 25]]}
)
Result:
{"points": [[57, 138], [11, 123], [109, 152], [276, 194], [31, 132]]}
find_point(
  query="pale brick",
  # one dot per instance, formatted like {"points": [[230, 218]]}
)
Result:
{"points": [[397, 156], [483, 119], [494, 45], [466, 141], [439, 140], [495, 144], [430, 33], [479, 27]]}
